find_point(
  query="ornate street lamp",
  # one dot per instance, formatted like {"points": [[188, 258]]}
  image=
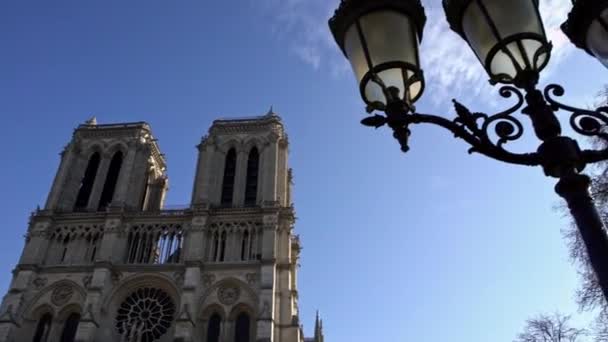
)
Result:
{"points": [[587, 27], [508, 37], [380, 39]]}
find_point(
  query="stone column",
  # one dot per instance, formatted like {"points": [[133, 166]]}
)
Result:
{"points": [[266, 317], [67, 156], [69, 191], [100, 283], [270, 170], [204, 177], [113, 244], [36, 242], [100, 181], [240, 178], [122, 185], [282, 179], [217, 176], [23, 276], [193, 256], [137, 179], [185, 323]]}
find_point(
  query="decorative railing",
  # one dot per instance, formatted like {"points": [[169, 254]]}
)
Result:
{"points": [[154, 244], [74, 244], [234, 241]]}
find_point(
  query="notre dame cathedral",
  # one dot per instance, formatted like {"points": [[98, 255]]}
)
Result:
{"points": [[104, 261]]}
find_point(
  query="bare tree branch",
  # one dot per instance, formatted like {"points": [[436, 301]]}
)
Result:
{"points": [[553, 328]]}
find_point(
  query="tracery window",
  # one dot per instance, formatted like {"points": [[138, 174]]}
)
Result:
{"points": [[222, 246], [155, 244], [251, 187], [242, 329], [245, 244], [228, 181], [145, 315], [77, 244], [216, 246], [109, 186], [43, 328], [214, 328], [70, 327], [86, 185]]}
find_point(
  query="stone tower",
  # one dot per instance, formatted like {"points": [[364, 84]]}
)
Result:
{"points": [[104, 261]]}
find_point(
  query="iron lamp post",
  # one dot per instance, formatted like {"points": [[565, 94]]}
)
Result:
{"points": [[380, 38], [587, 27]]}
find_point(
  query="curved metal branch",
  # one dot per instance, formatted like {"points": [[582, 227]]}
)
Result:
{"points": [[591, 123], [478, 143]]}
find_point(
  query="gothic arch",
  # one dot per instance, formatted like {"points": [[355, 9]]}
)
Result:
{"points": [[39, 311], [239, 309], [211, 309], [77, 297], [136, 281], [227, 145], [66, 311], [252, 142], [204, 321], [247, 295], [91, 148], [131, 292], [118, 146], [246, 332]]}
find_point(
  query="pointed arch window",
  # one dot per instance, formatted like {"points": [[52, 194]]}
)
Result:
{"points": [[216, 245], [242, 329], [86, 185], [214, 328], [251, 187], [64, 252], [223, 246], [109, 186], [245, 246], [70, 327], [228, 181], [43, 328]]}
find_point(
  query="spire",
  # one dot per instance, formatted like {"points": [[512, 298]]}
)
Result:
{"points": [[271, 112], [92, 121], [318, 329]]}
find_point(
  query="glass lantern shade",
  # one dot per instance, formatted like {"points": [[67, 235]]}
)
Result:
{"points": [[381, 43], [507, 36], [597, 38]]}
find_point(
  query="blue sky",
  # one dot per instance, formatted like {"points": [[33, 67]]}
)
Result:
{"points": [[435, 245]]}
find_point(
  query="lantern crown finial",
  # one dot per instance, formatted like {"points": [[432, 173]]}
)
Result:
{"points": [[350, 10]]}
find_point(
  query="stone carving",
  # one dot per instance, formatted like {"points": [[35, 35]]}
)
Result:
{"points": [[116, 275], [252, 278], [228, 294], [8, 315], [61, 295], [179, 278], [39, 282], [265, 310], [86, 281], [208, 279]]}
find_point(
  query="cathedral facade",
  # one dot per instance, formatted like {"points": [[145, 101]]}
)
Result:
{"points": [[104, 261]]}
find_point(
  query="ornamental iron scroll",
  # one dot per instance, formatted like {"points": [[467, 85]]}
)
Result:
{"points": [[490, 134], [145, 315]]}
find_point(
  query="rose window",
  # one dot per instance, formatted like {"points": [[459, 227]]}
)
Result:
{"points": [[145, 315]]}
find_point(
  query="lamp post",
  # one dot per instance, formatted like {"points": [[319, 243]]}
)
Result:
{"points": [[380, 39], [587, 27]]}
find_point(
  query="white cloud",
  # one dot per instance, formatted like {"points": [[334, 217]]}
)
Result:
{"points": [[451, 68]]}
